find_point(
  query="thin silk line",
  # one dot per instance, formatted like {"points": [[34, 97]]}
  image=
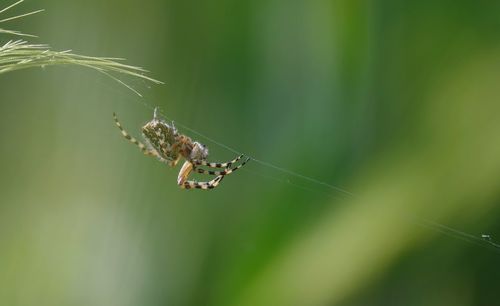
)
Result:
{"points": [[438, 227], [307, 178], [453, 232]]}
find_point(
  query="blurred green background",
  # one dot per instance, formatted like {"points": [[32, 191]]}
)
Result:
{"points": [[395, 101]]}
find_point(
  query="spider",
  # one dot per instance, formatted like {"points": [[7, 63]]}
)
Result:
{"points": [[164, 142]]}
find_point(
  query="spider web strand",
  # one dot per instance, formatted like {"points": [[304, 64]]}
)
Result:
{"points": [[263, 163], [427, 223]]}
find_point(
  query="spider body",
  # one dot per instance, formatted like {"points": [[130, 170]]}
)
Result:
{"points": [[169, 144], [164, 142]]}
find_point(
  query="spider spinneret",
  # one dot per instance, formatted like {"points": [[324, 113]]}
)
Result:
{"points": [[164, 142]]}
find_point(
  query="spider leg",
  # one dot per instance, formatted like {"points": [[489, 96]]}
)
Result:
{"points": [[217, 165], [140, 145], [182, 181], [186, 169], [227, 171], [203, 185]]}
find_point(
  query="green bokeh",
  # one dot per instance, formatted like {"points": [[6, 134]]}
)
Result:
{"points": [[394, 101]]}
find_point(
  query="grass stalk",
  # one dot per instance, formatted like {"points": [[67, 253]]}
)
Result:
{"points": [[17, 54]]}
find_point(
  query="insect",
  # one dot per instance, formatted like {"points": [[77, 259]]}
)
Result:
{"points": [[164, 142]]}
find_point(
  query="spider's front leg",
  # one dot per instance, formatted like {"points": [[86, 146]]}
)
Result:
{"points": [[203, 185], [184, 183], [219, 165], [227, 166]]}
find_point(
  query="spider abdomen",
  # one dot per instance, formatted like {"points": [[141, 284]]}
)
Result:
{"points": [[162, 137]]}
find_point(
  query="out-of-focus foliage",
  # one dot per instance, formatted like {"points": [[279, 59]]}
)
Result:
{"points": [[395, 101]]}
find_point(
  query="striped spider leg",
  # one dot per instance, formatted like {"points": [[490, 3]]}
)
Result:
{"points": [[184, 183], [140, 145], [164, 142], [192, 166], [226, 165]]}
